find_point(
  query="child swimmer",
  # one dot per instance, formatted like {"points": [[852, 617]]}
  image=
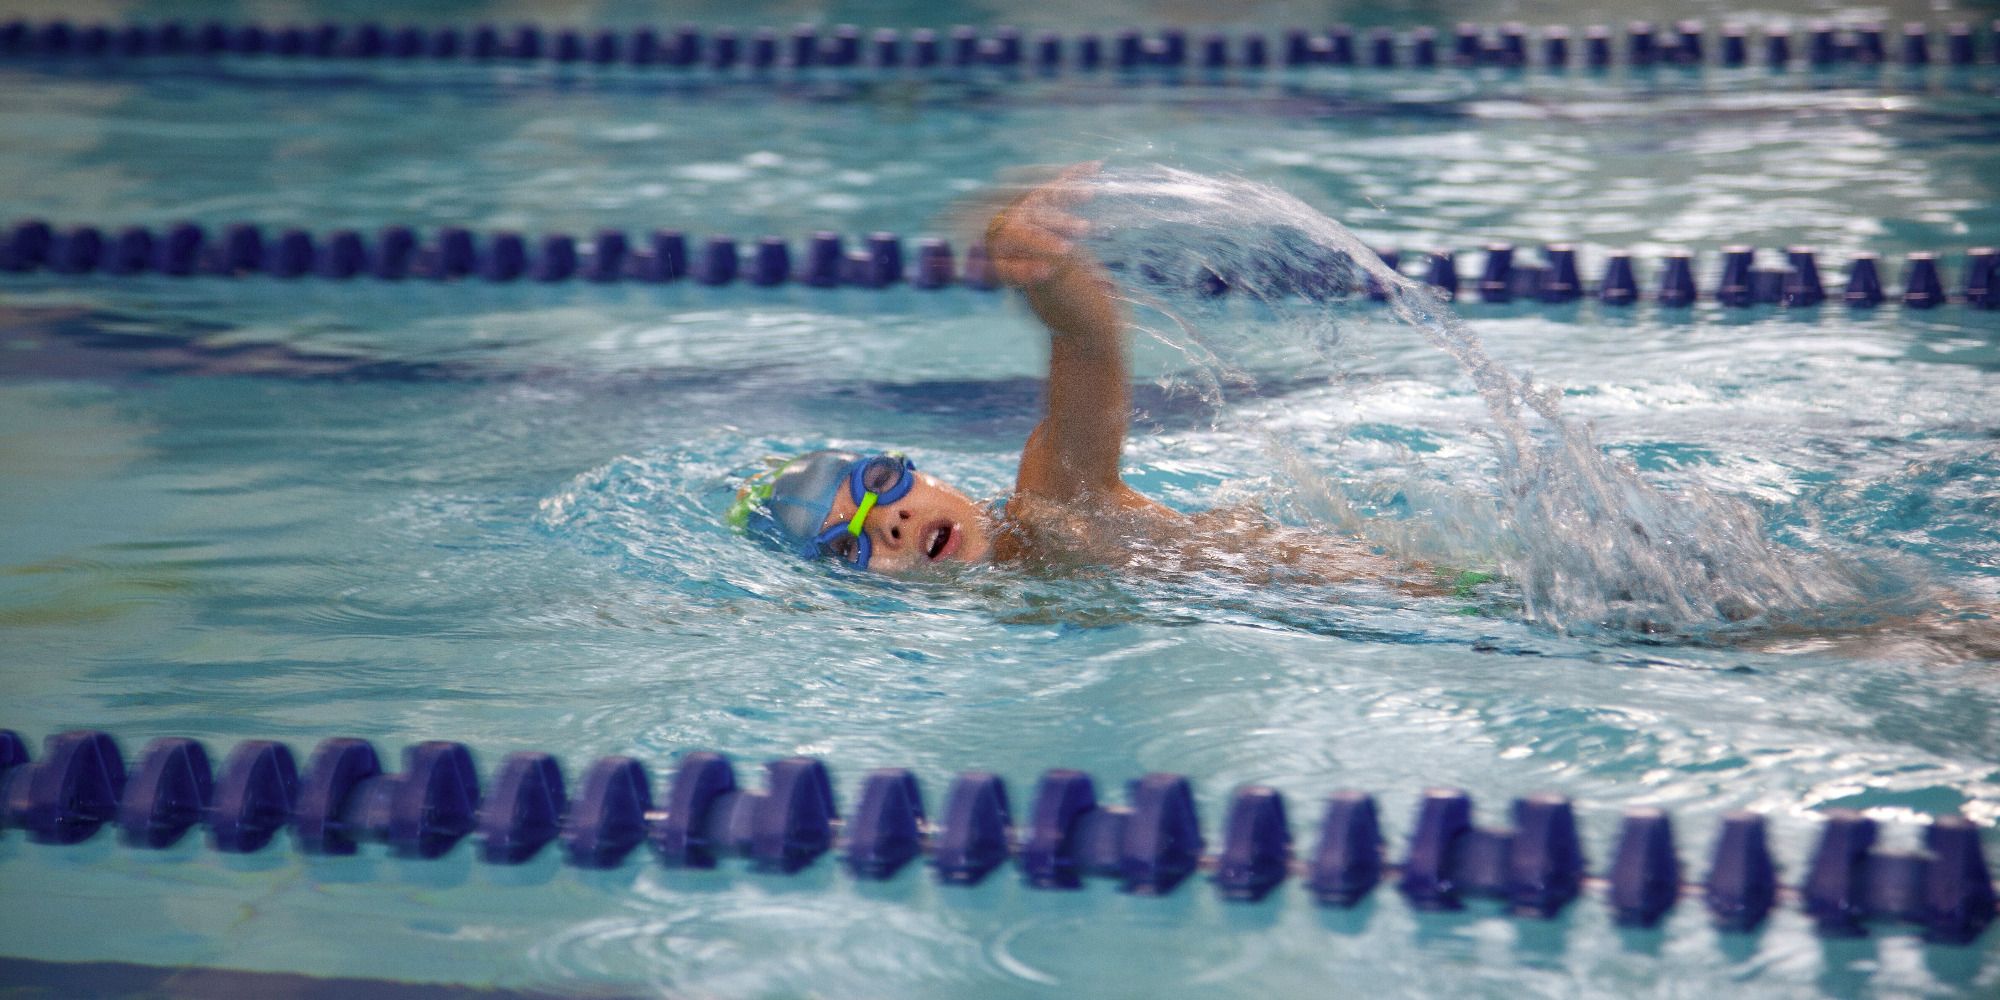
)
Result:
{"points": [[1069, 505]]}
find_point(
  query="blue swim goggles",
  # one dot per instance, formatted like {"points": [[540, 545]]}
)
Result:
{"points": [[886, 478]]}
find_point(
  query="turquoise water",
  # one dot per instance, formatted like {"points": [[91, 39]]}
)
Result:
{"points": [[297, 510]]}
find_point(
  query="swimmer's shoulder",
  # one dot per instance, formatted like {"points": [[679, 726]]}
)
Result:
{"points": [[1091, 528], [1107, 530]]}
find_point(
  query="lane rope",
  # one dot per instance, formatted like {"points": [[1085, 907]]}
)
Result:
{"points": [[1149, 846], [878, 261], [1776, 46]]}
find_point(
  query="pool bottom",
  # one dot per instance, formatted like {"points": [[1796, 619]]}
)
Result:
{"points": [[28, 979]]}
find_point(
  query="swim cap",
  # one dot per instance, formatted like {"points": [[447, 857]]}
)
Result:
{"points": [[790, 507]]}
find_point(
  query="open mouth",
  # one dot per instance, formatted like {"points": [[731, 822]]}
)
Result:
{"points": [[943, 541]]}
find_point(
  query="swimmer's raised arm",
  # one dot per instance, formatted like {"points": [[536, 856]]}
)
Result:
{"points": [[1074, 451]]}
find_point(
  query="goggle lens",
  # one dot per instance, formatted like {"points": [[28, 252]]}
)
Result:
{"points": [[881, 473], [844, 547]]}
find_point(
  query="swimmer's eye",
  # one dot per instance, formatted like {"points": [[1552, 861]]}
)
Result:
{"points": [[844, 547], [882, 473]]}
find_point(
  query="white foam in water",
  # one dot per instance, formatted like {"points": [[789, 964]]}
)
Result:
{"points": [[1590, 545]]}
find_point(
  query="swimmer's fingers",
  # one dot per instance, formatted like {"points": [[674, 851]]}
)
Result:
{"points": [[1035, 214], [1066, 190], [1080, 171], [1027, 246], [1029, 258], [1031, 239], [1060, 223], [1070, 188], [1050, 202], [1025, 231], [1045, 230]]}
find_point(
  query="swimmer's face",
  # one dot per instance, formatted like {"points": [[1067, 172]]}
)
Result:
{"points": [[931, 524]]}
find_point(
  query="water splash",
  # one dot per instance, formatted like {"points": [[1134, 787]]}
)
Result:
{"points": [[1590, 545]]}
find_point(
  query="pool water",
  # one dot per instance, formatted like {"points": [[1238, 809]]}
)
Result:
{"points": [[292, 510]]}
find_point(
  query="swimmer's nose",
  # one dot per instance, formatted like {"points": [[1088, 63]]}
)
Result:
{"points": [[895, 528]]}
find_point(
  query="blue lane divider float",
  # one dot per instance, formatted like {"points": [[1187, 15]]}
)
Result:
{"points": [[1741, 283], [1535, 866], [1820, 45], [451, 254], [878, 261], [1797, 283]]}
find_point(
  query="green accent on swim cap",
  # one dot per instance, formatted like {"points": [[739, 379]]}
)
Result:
{"points": [[745, 505], [754, 495]]}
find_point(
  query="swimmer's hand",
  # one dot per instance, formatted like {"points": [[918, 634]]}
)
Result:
{"points": [[1030, 241]]}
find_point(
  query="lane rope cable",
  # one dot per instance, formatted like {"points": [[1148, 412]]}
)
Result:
{"points": [[1535, 865], [878, 261]]}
